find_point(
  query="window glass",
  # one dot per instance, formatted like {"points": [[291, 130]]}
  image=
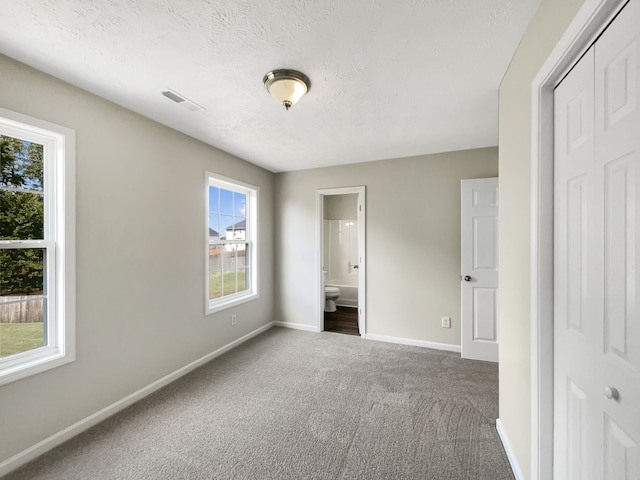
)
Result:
{"points": [[213, 199], [21, 190], [22, 300], [21, 163], [226, 201], [231, 235], [239, 204], [21, 271]]}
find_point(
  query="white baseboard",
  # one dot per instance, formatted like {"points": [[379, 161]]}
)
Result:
{"points": [[56, 439], [411, 341], [296, 326], [513, 461]]}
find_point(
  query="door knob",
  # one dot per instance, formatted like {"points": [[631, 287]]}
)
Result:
{"points": [[467, 278], [611, 393]]}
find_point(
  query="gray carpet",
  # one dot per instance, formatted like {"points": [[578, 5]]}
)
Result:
{"points": [[298, 405]]}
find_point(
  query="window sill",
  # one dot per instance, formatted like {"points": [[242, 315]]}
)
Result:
{"points": [[218, 306], [32, 363]]}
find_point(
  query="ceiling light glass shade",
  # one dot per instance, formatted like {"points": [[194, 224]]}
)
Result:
{"points": [[286, 86]]}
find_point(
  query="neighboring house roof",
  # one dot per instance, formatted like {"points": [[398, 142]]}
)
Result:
{"points": [[213, 233], [238, 226]]}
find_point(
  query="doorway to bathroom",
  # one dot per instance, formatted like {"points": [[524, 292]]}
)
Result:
{"points": [[341, 260]]}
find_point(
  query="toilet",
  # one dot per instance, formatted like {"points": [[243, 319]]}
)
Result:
{"points": [[331, 294]]}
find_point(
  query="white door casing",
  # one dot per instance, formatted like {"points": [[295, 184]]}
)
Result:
{"points": [[479, 269], [596, 328], [362, 268]]}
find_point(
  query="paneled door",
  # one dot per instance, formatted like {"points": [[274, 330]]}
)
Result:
{"points": [[574, 313], [479, 270], [596, 247]]}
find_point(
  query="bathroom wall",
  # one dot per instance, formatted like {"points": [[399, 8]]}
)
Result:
{"points": [[341, 239], [341, 252], [338, 207]]}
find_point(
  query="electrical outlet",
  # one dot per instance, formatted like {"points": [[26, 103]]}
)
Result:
{"points": [[234, 319], [446, 322]]}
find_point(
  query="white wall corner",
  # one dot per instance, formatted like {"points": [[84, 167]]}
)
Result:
{"points": [[513, 461]]}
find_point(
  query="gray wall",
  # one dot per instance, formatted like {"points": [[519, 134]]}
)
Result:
{"points": [[140, 257], [544, 31], [413, 240]]}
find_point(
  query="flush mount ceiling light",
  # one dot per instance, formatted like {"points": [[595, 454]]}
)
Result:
{"points": [[286, 86]]}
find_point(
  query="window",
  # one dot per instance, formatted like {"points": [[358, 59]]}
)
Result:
{"points": [[37, 289], [231, 247]]}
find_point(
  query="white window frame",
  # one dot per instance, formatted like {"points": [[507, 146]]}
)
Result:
{"points": [[59, 242], [251, 215]]}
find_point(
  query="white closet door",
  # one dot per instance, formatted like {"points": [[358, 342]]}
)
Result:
{"points": [[574, 322], [597, 244], [617, 169]]}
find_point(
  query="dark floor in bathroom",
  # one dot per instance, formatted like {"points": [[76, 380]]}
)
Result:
{"points": [[344, 320]]}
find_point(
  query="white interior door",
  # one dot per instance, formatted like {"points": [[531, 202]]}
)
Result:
{"points": [[479, 290], [596, 279]]}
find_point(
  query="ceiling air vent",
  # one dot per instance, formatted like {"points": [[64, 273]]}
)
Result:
{"points": [[181, 100]]}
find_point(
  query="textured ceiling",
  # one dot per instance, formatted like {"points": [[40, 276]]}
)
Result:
{"points": [[390, 78]]}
